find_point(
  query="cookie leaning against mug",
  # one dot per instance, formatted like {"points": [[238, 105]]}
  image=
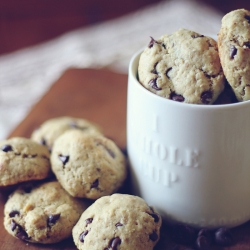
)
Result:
{"points": [[234, 51], [184, 66]]}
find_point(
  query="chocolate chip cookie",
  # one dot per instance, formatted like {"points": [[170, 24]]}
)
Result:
{"points": [[234, 50], [21, 160], [42, 214], [88, 166], [52, 128], [119, 221], [183, 67]]}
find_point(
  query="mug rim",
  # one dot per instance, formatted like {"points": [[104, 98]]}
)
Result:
{"points": [[132, 73]]}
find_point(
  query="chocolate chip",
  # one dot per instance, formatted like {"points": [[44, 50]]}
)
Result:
{"points": [[45, 157], [155, 216], [153, 236], [124, 151], [118, 224], [207, 233], [247, 44], [183, 234], [25, 156], [248, 18], [152, 42], [53, 218], [233, 51], [89, 221], [95, 184], [113, 244], [43, 142], [202, 243], [13, 213], [154, 71], [207, 75], [176, 97], [196, 36], [74, 125], [223, 237], [206, 97], [27, 188], [82, 235], [163, 45], [64, 158], [167, 71], [13, 225], [6, 148], [152, 83], [20, 232], [111, 153]]}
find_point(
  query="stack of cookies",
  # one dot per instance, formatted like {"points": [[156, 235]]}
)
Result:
{"points": [[67, 165], [67, 174], [192, 68]]}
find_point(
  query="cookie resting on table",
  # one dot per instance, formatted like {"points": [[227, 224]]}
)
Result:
{"points": [[52, 128], [21, 160], [42, 214], [183, 67], [119, 221], [234, 49], [88, 166]]}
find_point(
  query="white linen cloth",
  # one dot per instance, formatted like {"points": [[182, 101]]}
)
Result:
{"points": [[25, 75]]}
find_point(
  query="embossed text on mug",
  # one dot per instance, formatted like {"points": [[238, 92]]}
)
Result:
{"points": [[177, 156], [158, 175]]}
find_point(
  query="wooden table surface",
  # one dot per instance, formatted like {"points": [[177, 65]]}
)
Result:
{"points": [[99, 96]]}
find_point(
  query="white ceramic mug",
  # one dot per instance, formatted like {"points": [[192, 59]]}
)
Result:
{"points": [[191, 162]]}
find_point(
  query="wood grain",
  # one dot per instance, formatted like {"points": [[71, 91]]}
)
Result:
{"points": [[99, 96], [83, 93]]}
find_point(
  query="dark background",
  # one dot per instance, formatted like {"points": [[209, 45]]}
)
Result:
{"points": [[28, 22]]}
